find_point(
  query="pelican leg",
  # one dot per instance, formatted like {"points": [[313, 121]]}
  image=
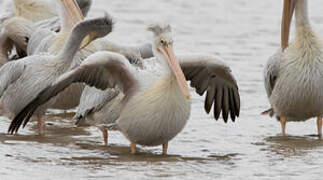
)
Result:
{"points": [[105, 136], [283, 124], [165, 147], [133, 148], [319, 126], [41, 124]]}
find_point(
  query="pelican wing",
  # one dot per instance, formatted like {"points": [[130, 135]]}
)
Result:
{"points": [[102, 70], [270, 76], [271, 72], [9, 73], [210, 75], [93, 100]]}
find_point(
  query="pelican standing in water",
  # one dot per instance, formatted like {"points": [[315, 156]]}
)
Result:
{"points": [[293, 76], [46, 41], [156, 103], [20, 80], [70, 15]]}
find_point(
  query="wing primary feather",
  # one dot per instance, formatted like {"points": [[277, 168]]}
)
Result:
{"points": [[231, 105], [25, 114], [225, 105], [218, 103], [209, 99], [236, 100]]}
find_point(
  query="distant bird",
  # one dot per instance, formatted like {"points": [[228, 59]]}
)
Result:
{"points": [[293, 76], [155, 106], [21, 81]]}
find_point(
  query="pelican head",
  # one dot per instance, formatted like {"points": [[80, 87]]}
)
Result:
{"points": [[19, 30], [163, 50], [15, 35], [288, 11]]}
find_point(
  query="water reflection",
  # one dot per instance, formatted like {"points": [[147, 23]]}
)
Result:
{"points": [[292, 145]]}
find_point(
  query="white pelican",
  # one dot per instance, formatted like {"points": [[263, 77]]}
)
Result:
{"points": [[14, 35], [293, 76], [19, 80], [156, 105], [33, 10], [44, 40], [18, 30], [52, 42]]}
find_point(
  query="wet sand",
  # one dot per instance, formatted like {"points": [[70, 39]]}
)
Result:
{"points": [[242, 32]]}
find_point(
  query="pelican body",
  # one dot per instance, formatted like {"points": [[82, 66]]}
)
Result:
{"points": [[293, 76], [158, 111]]}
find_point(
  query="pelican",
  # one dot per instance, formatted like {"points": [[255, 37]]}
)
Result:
{"points": [[18, 30], [14, 35], [51, 42], [19, 80], [156, 102], [33, 10], [293, 76], [45, 41], [26, 35]]}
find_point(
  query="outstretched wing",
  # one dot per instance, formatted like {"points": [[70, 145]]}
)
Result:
{"points": [[209, 74], [102, 70]]}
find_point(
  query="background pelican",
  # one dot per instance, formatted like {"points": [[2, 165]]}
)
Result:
{"points": [[15, 35], [18, 30], [33, 73], [156, 104], [45, 41], [33, 10], [52, 42], [293, 76]]}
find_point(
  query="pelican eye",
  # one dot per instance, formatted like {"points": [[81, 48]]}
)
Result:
{"points": [[163, 42], [26, 39]]}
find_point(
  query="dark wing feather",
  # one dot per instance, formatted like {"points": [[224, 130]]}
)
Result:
{"points": [[208, 74], [102, 70]]}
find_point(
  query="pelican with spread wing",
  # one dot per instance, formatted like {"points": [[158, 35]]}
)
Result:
{"points": [[156, 101], [20, 81]]}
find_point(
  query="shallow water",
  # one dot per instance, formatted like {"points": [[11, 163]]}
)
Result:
{"points": [[244, 33]]}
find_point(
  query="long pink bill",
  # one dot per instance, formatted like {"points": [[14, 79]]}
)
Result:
{"points": [[288, 11], [173, 63]]}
